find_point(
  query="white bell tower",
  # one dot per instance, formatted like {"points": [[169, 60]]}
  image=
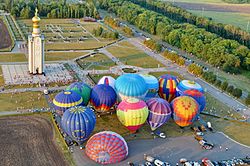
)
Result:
{"points": [[36, 48]]}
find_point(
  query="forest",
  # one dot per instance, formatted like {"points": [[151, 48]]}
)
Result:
{"points": [[226, 54], [55, 9], [183, 16]]}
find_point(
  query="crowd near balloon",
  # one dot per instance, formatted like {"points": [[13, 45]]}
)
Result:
{"points": [[136, 99]]}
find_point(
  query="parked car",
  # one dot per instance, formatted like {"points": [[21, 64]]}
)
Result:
{"points": [[148, 163], [199, 133], [149, 158], [158, 162], [207, 162]]}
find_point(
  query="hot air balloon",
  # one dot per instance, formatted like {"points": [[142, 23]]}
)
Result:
{"points": [[132, 113], [131, 85], [103, 97], [185, 110], [78, 122], [187, 84], [65, 100], [108, 80], [159, 112], [198, 96], [152, 85], [167, 89], [106, 147], [82, 89]]}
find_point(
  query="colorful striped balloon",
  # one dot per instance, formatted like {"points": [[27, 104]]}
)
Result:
{"points": [[78, 122], [167, 89], [65, 100], [187, 84], [152, 85], [107, 80], [107, 147], [159, 112], [132, 113], [130, 85], [185, 110], [103, 97], [198, 96], [82, 89]]}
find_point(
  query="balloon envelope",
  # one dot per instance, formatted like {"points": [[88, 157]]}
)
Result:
{"points": [[103, 97], [66, 99], [187, 84], [107, 147], [82, 89], [185, 110], [159, 112], [131, 85], [152, 85], [78, 122], [132, 113], [198, 96], [107, 80], [167, 87]]}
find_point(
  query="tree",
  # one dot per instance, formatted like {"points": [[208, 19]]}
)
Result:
{"points": [[248, 99], [218, 83], [237, 92], [230, 89], [224, 85]]}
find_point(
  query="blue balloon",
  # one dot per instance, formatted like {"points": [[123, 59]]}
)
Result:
{"points": [[131, 85], [103, 97], [78, 122]]}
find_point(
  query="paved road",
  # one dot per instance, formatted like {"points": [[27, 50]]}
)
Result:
{"points": [[172, 149], [216, 93]]}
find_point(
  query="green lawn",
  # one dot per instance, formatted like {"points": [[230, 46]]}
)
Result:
{"points": [[1, 77], [130, 55], [85, 45], [12, 57], [158, 74], [96, 61], [24, 100], [57, 56], [237, 19]]}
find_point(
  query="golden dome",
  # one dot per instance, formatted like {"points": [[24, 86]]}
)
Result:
{"points": [[36, 19]]}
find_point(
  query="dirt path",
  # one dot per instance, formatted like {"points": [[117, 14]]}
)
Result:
{"points": [[5, 40], [28, 140], [214, 7]]}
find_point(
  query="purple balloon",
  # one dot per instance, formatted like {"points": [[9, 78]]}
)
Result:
{"points": [[159, 112]]}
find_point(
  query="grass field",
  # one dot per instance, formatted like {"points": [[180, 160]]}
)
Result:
{"points": [[57, 56], [130, 55], [97, 77], [237, 19], [25, 100], [6, 42], [96, 61], [12, 57], [158, 74]]}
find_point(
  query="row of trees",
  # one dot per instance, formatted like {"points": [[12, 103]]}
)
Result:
{"points": [[237, 1], [224, 53], [100, 32], [54, 9], [183, 16], [153, 45], [224, 86], [174, 58], [195, 69]]}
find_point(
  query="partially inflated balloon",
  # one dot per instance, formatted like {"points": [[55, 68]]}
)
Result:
{"points": [[187, 84], [159, 112], [167, 89], [82, 89], [152, 85], [103, 97], [185, 110], [132, 113], [198, 96], [107, 80], [107, 147], [78, 122], [65, 100], [131, 85]]}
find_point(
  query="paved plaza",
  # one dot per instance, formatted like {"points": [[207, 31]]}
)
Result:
{"points": [[18, 74]]}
